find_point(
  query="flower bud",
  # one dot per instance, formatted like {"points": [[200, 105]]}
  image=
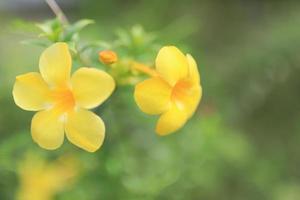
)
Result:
{"points": [[108, 57]]}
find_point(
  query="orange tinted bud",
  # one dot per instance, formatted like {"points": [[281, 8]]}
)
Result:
{"points": [[108, 57]]}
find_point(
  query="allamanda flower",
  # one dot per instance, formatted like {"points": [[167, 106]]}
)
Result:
{"points": [[62, 101], [174, 92], [42, 180]]}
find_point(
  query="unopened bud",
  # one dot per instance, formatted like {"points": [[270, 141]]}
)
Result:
{"points": [[108, 57]]}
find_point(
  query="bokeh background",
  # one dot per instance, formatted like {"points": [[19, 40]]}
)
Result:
{"points": [[243, 141]]}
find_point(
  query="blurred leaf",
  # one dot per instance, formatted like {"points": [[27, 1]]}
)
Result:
{"points": [[100, 45], [51, 29], [23, 26], [36, 42], [75, 28]]}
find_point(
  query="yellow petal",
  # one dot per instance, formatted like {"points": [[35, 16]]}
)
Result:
{"points": [[171, 121], [55, 64], [47, 129], [171, 64], [91, 87], [193, 69], [153, 96], [30, 92], [85, 129]]}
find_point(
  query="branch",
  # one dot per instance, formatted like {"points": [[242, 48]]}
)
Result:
{"points": [[57, 11]]}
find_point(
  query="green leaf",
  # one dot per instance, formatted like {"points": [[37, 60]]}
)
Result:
{"points": [[51, 29], [79, 25], [23, 26], [74, 29], [45, 28], [123, 38], [36, 42]]}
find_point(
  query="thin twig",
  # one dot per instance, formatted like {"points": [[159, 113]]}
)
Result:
{"points": [[57, 11]]}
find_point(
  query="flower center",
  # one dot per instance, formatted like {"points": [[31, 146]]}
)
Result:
{"points": [[181, 91], [63, 99]]}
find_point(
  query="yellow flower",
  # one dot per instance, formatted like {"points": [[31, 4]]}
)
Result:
{"points": [[42, 180], [62, 101], [174, 93]]}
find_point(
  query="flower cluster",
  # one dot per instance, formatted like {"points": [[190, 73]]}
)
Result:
{"points": [[173, 91]]}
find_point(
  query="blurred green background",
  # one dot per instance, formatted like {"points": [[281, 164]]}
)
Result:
{"points": [[241, 144]]}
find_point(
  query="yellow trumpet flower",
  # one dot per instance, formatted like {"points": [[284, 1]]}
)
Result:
{"points": [[174, 92], [62, 101], [42, 180]]}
